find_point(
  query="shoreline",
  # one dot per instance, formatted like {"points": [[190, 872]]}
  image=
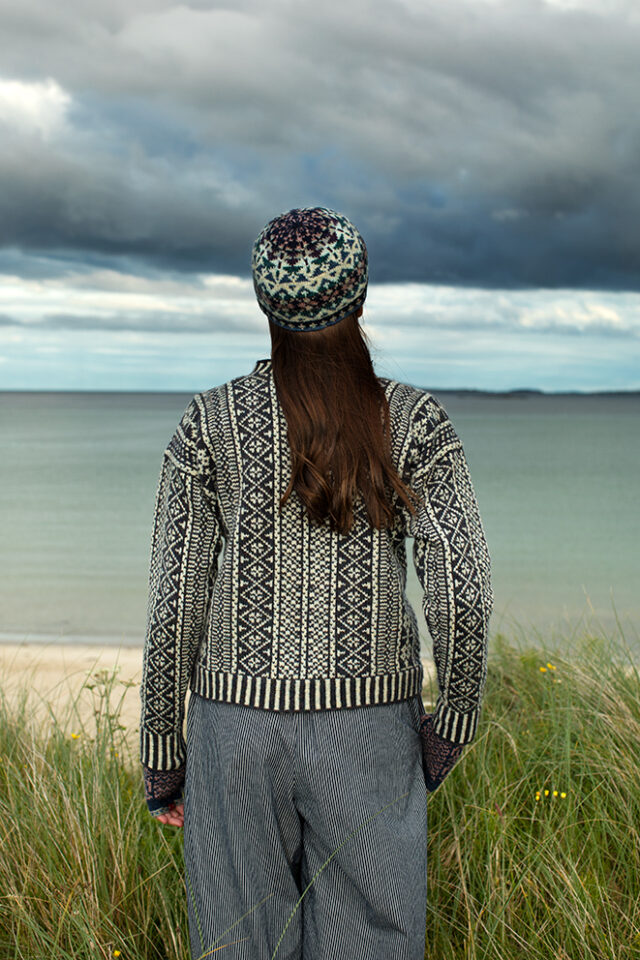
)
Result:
{"points": [[15, 639], [53, 675]]}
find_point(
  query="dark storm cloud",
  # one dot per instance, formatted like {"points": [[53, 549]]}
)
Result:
{"points": [[474, 143]]}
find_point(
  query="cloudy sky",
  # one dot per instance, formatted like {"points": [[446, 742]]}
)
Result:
{"points": [[488, 151]]}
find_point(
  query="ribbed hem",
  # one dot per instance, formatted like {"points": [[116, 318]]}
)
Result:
{"points": [[314, 693], [452, 725]]}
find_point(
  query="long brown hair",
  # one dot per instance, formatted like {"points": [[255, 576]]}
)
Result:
{"points": [[338, 424]]}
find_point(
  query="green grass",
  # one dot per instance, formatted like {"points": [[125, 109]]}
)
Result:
{"points": [[85, 871]]}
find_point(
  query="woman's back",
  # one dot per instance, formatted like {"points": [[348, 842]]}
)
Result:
{"points": [[277, 597], [285, 614]]}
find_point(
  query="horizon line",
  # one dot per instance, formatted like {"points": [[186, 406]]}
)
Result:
{"points": [[514, 391]]}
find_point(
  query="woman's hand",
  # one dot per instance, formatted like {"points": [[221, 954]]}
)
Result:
{"points": [[175, 817]]}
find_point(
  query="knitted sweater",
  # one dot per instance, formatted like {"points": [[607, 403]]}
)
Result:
{"points": [[252, 605]]}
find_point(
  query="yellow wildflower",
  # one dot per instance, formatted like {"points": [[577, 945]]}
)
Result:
{"points": [[75, 736], [555, 793], [543, 669], [116, 953], [546, 793], [563, 794], [551, 666]]}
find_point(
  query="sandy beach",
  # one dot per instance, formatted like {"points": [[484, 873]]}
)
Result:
{"points": [[55, 676]]}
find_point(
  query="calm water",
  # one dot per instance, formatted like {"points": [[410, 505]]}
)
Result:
{"points": [[556, 478]]}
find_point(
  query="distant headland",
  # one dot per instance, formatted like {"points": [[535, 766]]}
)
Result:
{"points": [[525, 392]]}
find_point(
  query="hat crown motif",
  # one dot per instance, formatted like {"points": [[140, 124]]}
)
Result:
{"points": [[310, 268]]}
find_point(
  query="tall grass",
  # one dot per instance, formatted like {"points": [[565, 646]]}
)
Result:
{"points": [[533, 839]]}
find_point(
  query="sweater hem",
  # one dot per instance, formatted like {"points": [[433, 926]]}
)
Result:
{"points": [[306, 693]]}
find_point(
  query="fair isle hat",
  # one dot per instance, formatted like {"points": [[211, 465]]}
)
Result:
{"points": [[310, 269]]}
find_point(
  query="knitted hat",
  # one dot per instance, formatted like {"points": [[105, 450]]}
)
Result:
{"points": [[309, 268]]}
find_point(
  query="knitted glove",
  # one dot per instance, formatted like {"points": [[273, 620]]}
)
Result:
{"points": [[439, 756], [163, 787]]}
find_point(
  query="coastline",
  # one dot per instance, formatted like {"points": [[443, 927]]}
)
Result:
{"points": [[53, 675]]}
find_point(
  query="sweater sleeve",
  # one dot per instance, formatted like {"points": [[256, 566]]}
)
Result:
{"points": [[453, 565], [185, 543]]}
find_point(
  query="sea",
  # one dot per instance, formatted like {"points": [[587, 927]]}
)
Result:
{"points": [[556, 476]]}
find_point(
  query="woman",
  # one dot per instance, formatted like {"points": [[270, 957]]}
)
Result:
{"points": [[277, 597]]}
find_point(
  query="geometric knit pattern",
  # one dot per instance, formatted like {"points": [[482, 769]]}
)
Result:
{"points": [[254, 605], [310, 269], [453, 564]]}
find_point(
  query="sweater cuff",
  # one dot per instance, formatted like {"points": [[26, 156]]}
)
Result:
{"points": [[162, 751], [452, 725]]}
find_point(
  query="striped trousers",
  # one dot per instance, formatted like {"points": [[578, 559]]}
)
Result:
{"points": [[276, 800]]}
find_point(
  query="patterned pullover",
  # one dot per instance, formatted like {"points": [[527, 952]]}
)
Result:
{"points": [[252, 605]]}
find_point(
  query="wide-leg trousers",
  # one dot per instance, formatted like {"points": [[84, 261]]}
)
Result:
{"points": [[275, 802]]}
